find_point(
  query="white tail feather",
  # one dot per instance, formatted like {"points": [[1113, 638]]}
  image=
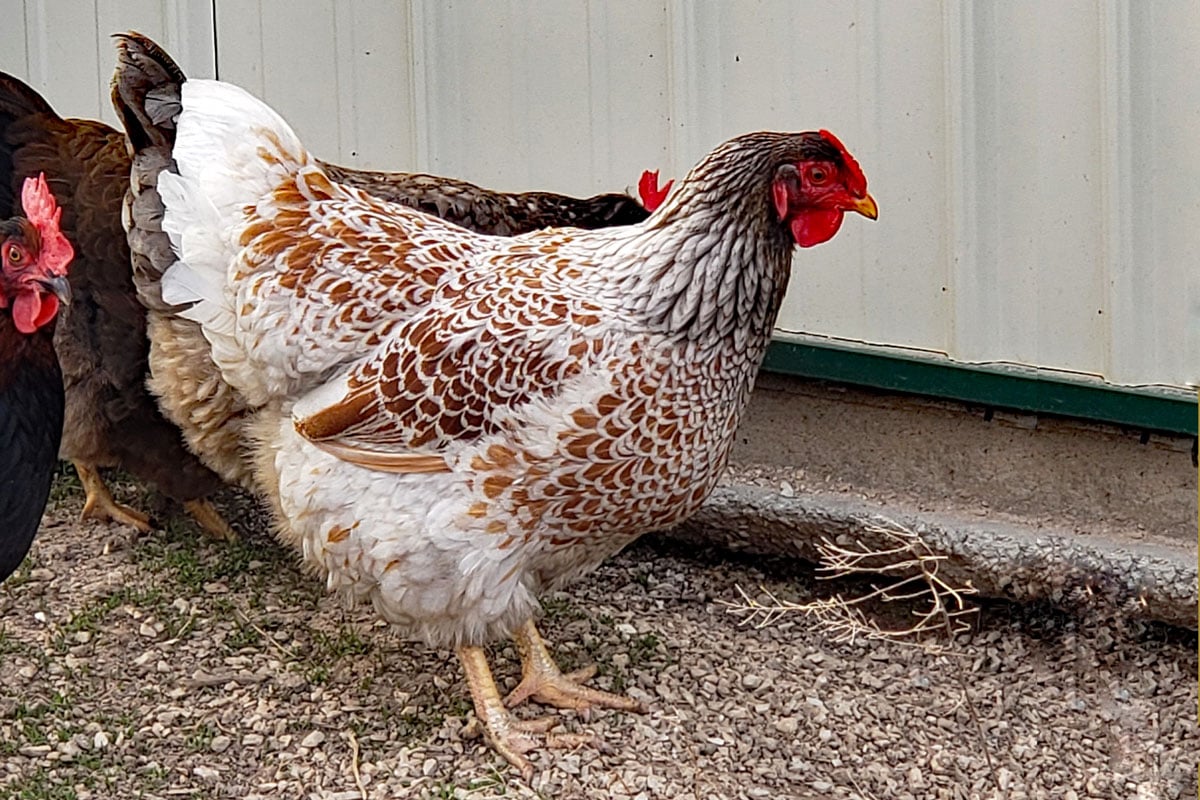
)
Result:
{"points": [[231, 150]]}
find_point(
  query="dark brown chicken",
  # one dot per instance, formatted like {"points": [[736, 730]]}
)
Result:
{"points": [[111, 418], [146, 90]]}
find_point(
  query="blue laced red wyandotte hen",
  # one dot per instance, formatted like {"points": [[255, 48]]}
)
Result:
{"points": [[449, 424]]}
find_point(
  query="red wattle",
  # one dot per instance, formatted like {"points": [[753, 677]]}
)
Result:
{"points": [[31, 310], [815, 226]]}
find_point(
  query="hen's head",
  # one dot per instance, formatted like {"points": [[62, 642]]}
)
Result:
{"points": [[816, 185], [34, 256]]}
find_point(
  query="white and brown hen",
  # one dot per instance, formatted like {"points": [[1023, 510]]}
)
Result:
{"points": [[456, 422]]}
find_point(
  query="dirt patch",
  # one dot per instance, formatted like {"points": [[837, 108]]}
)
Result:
{"points": [[172, 667]]}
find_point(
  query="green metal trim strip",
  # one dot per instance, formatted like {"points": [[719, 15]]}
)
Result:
{"points": [[1004, 390]]}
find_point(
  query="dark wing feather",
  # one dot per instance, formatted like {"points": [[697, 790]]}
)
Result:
{"points": [[31, 418], [486, 211]]}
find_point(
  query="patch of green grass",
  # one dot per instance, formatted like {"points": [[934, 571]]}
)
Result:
{"points": [[326, 650], [242, 635], [458, 706], [92, 617], [89, 617], [318, 673], [412, 727], [35, 724], [155, 774], [182, 555], [442, 791], [561, 608], [619, 682], [495, 784], [10, 645], [200, 739], [57, 702], [643, 649], [65, 486], [22, 575], [346, 642], [40, 786], [32, 732], [494, 780]]}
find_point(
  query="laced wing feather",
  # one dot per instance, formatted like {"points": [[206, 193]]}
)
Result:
{"points": [[462, 369]]}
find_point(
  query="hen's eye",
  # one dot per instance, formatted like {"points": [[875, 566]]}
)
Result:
{"points": [[818, 175], [13, 254]]}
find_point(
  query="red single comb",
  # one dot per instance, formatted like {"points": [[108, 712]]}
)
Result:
{"points": [[43, 211], [652, 196], [856, 182]]}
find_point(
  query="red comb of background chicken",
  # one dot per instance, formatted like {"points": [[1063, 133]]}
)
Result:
{"points": [[856, 182], [43, 211], [652, 196]]}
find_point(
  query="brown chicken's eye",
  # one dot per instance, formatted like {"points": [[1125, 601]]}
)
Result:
{"points": [[13, 254], [818, 175]]}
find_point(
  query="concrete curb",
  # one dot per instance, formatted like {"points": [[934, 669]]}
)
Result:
{"points": [[1001, 559]]}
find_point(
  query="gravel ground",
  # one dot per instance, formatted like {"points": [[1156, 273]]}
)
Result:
{"points": [[168, 667]]}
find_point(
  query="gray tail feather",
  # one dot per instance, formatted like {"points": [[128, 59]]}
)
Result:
{"points": [[146, 94]]}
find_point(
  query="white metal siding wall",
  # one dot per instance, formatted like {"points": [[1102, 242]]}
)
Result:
{"points": [[64, 50], [1037, 164]]}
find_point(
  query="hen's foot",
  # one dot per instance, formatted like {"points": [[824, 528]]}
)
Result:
{"points": [[210, 520], [100, 505], [511, 737], [542, 680]]}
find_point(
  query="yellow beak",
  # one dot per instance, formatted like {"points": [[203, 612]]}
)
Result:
{"points": [[865, 206]]}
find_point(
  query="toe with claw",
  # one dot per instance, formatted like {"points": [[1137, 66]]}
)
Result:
{"points": [[101, 505], [512, 737], [544, 682]]}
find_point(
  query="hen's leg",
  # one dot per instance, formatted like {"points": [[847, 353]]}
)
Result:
{"points": [[511, 737], [542, 680], [101, 505], [210, 520]]}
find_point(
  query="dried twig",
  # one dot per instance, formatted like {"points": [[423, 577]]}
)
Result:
{"points": [[906, 559], [358, 781]]}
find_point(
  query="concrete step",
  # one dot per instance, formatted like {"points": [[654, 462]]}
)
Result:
{"points": [[1117, 576]]}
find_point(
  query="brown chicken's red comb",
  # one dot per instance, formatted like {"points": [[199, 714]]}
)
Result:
{"points": [[652, 196], [856, 182], [43, 211]]}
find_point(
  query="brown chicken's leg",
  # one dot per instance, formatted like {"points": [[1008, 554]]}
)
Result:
{"points": [[511, 737], [542, 680], [100, 504], [210, 520]]}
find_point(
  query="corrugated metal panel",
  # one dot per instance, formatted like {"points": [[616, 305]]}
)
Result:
{"points": [[64, 50], [1036, 164], [341, 72]]}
